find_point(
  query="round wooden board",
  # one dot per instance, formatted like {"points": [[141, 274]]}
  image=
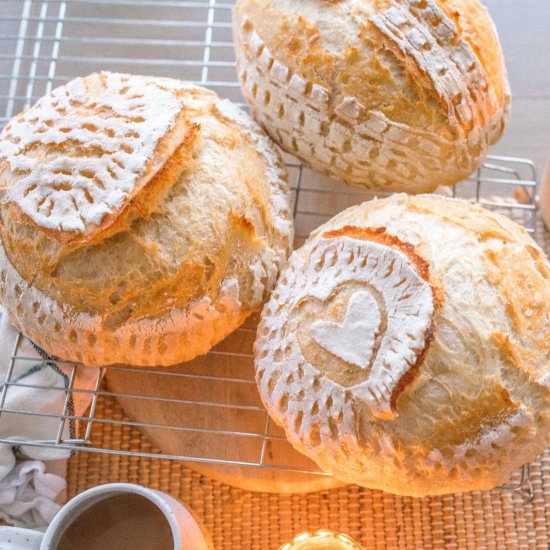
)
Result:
{"points": [[224, 399]]}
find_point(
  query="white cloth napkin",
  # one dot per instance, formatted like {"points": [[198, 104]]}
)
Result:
{"points": [[30, 491], [29, 496]]}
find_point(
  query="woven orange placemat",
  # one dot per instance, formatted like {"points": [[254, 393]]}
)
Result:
{"points": [[244, 520], [240, 520]]}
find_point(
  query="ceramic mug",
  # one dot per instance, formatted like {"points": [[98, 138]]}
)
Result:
{"points": [[16, 538], [184, 529]]}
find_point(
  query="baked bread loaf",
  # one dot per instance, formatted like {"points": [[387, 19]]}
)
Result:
{"points": [[406, 347], [142, 220], [395, 95]]}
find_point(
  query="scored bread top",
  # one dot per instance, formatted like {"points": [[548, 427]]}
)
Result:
{"points": [[458, 394], [194, 247], [389, 94], [399, 58], [74, 161], [362, 307]]}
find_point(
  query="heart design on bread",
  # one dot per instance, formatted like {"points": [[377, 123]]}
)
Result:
{"points": [[361, 325], [452, 392], [364, 316], [337, 336]]}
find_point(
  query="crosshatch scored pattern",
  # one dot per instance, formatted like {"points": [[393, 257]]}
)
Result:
{"points": [[46, 43]]}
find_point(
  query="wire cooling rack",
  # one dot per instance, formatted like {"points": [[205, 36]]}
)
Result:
{"points": [[45, 43]]}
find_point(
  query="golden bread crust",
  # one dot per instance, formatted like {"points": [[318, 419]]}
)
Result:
{"points": [[392, 95], [478, 406], [181, 262]]}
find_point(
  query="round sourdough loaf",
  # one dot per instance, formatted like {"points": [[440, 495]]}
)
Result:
{"points": [[406, 347], [387, 94], [142, 220]]}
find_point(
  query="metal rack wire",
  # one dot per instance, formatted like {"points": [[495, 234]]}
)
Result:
{"points": [[44, 43]]}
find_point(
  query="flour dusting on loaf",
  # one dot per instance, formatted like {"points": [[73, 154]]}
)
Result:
{"points": [[392, 95], [86, 148], [405, 347], [150, 219], [386, 305]]}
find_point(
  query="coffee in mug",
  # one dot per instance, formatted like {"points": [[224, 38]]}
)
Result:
{"points": [[120, 516], [118, 522]]}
